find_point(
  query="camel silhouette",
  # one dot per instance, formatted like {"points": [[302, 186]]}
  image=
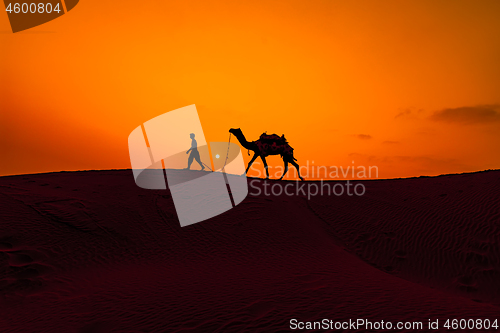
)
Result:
{"points": [[265, 146]]}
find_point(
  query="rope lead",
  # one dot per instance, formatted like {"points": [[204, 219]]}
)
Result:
{"points": [[227, 154]]}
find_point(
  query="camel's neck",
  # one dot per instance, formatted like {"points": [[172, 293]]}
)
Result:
{"points": [[243, 141]]}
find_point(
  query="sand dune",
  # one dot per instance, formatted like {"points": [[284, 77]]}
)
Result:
{"points": [[92, 252]]}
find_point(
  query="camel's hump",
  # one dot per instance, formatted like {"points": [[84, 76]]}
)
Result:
{"points": [[272, 137]]}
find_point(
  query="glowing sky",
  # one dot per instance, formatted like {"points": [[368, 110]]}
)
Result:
{"points": [[412, 87]]}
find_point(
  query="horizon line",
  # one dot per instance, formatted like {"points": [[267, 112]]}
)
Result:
{"points": [[271, 179]]}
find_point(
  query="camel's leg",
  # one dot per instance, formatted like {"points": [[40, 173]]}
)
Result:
{"points": [[286, 168], [296, 167], [265, 166], [251, 162]]}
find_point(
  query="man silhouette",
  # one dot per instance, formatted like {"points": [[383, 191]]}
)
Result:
{"points": [[194, 153]]}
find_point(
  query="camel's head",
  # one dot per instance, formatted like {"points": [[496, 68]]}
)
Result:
{"points": [[235, 131]]}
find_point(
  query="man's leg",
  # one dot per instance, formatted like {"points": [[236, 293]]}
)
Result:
{"points": [[190, 160], [198, 159]]}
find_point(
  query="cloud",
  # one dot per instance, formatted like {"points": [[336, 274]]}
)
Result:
{"points": [[409, 113], [468, 115], [404, 113], [390, 142], [363, 136]]}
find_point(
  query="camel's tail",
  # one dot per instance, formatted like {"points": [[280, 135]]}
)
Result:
{"points": [[291, 152]]}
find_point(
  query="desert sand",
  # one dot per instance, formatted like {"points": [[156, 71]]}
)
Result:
{"points": [[92, 252]]}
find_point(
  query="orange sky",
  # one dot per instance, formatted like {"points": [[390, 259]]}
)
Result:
{"points": [[412, 87]]}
